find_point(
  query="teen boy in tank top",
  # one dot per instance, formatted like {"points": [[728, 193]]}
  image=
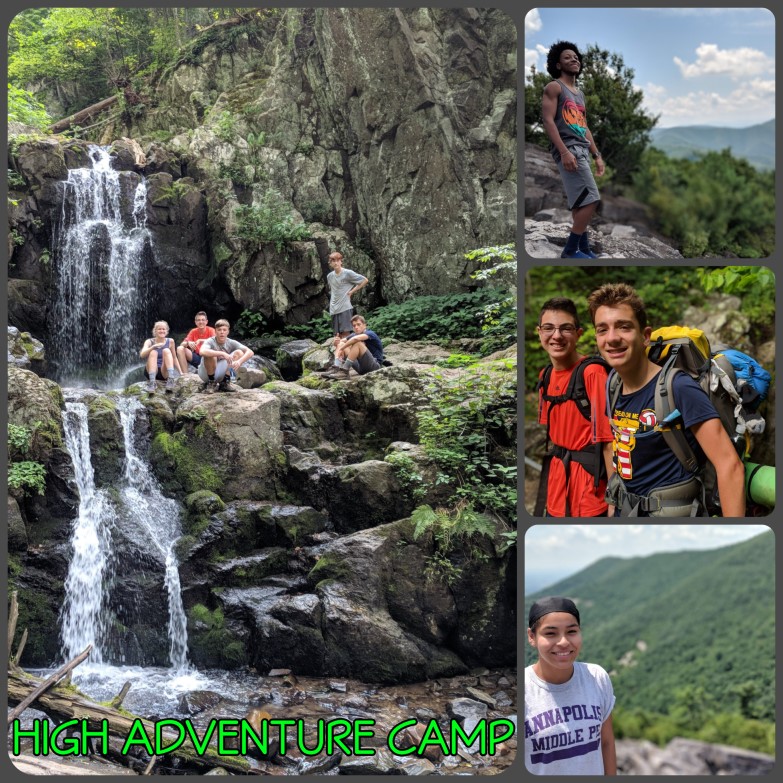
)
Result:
{"points": [[565, 122]]}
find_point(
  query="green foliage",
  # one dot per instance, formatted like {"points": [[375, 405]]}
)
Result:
{"points": [[19, 438], [755, 285], [28, 476], [23, 107], [270, 221], [407, 474], [620, 126], [718, 205], [719, 726], [435, 318], [225, 126], [173, 192], [457, 360], [239, 174], [454, 529], [498, 319], [15, 180], [666, 292], [468, 428], [250, 324]]}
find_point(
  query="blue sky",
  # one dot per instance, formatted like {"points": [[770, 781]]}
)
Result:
{"points": [[554, 551], [696, 66]]}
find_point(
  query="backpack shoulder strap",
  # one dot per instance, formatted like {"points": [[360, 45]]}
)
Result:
{"points": [[614, 387], [672, 430]]}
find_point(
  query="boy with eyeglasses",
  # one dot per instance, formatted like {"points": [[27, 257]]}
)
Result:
{"points": [[572, 406]]}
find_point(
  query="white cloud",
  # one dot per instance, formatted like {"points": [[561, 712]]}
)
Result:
{"points": [[749, 103], [737, 64], [535, 57], [533, 21]]}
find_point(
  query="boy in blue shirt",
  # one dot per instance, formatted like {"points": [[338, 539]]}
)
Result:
{"points": [[362, 349]]}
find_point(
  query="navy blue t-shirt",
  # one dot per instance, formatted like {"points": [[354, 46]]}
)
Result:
{"points": [[646, 463], [374, 344]]}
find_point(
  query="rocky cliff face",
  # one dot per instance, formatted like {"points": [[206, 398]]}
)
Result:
{"points": [[391, 133]]}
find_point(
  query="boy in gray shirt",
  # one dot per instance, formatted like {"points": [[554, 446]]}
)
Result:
{"points": [[343, 283], [219, 355]]}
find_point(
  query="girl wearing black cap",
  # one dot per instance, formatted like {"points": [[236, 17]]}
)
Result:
{"points": [[568, 705]]}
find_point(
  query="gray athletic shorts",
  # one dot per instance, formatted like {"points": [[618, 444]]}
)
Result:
{"points": [[580, 186], [341, 322], [366, 363]]}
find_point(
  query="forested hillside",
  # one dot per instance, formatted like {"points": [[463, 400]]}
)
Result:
{"points": [[687, 635]]}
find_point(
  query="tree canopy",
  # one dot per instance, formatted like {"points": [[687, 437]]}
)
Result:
{"points": [[620, 126], [81, 55]]}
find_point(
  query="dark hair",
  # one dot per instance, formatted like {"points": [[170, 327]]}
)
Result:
{"points": [[614, 294], [562, 304], [553, 57]]}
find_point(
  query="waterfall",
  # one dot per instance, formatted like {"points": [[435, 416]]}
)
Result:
{"points": [[83, 617], [139, 503], [103, 268], [148, 507]]}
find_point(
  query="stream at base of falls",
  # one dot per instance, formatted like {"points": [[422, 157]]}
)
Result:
{"points": [[201, 696]]}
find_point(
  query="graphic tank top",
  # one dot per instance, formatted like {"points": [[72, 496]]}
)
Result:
{"points": [[570, 118]]}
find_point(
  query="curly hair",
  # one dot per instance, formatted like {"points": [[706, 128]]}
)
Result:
{"points": [[614, 294], [553, 57]]}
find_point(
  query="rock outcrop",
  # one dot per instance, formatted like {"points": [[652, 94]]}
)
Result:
{"points": [[689, 757], [545, 239], [621, 228], [297, 545]]}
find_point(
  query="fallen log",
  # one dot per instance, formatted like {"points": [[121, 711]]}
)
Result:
{"points": [[63, 704], [13, 616], [48, 683], [84, 114]]}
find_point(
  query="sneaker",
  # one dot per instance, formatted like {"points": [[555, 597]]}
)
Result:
{"points": [[338, 374], [151, 387], [227, 386], [575, 254], [209, 387], [171, 382], [589, 253]]}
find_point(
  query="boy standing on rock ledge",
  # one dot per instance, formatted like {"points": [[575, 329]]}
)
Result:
{"points": [[565, 122]]}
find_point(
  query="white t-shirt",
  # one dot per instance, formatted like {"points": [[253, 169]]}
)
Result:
{"points": [[563, 722]]}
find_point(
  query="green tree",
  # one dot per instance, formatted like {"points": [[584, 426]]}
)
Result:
{"points": [[620, 126], [717, 205]]}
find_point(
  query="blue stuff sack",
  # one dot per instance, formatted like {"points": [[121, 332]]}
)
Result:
{"points": [[749, 371]]}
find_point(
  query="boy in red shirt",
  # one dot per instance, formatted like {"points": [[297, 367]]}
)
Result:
{"points": [[573, 481], [188, 351]]}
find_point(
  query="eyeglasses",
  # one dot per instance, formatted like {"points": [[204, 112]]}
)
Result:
{"points": [[548, 329]]}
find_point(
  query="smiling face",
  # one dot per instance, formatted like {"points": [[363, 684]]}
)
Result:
{"points": [[559, 336], [620, 339], [201, 322], [160, 331], [558, 639], [569, 62]]}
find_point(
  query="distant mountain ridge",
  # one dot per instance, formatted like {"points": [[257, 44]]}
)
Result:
{"points": [[676, 619], [755, 143]]}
